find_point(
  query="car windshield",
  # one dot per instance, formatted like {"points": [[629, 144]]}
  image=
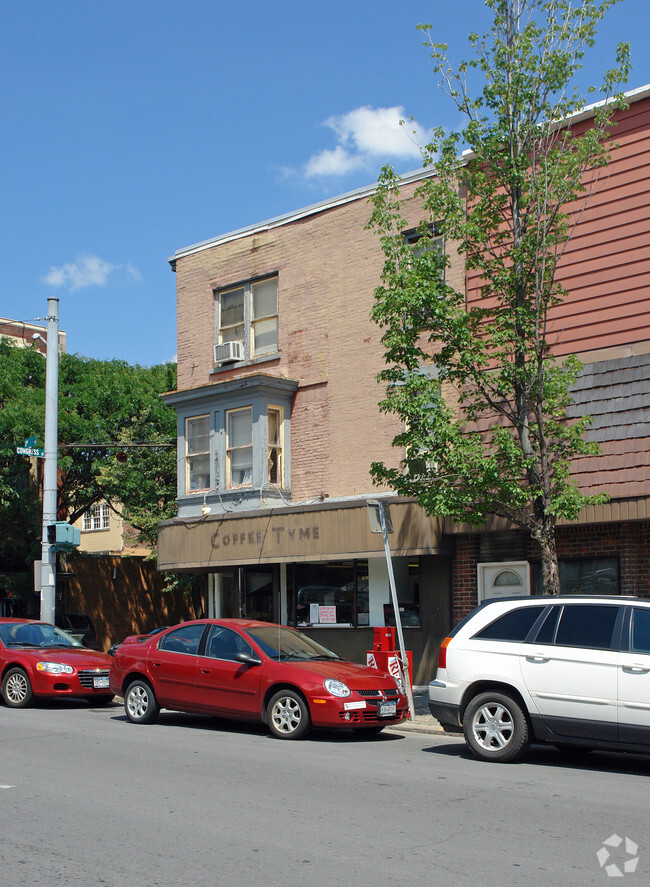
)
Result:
{"points": [[35, 634], [285, 644]]}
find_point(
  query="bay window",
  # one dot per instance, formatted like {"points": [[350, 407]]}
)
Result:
{"points": [[239, 447], [197, 458]]}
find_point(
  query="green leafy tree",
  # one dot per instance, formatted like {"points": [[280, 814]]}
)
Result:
{"points": [[482, 398], [107, 410]]}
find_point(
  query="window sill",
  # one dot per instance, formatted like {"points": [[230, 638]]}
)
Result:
{"points": [[253, 361]]}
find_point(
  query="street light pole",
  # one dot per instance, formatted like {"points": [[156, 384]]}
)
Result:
{"points": [[50, 472]]}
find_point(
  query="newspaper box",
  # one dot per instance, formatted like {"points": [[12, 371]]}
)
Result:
{"points": [[385, 657]]}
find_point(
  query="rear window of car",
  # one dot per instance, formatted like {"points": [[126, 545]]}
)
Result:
{"points": [[512, 626]]}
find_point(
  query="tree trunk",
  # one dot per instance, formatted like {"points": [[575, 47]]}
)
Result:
{"points": [[544, 535]]}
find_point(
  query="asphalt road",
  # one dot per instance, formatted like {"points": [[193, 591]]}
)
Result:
{"points": [[87, 798]]}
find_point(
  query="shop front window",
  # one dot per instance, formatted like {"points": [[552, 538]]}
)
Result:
{"points": [[407, 584], [330, 594]]}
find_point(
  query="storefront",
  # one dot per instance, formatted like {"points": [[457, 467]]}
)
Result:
{"points": [[320, 567]]}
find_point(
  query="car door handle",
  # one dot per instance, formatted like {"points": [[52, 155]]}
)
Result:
{"points": [[635, 669], [538, 658], [206, 670]]}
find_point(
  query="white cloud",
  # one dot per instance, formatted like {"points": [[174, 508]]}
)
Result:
{"points": [[87, 270], [364, 136]]}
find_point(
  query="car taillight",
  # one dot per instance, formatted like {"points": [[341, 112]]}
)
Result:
{"points": [[442, 655]]}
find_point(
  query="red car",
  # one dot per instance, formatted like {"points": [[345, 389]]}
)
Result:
{"points": [[39, 660], [254, 671]]}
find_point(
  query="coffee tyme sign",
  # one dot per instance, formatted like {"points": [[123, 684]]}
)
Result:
{"points": [[285, 535]]}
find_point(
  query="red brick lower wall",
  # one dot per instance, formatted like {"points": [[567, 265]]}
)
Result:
{"points": [[630, 542]]}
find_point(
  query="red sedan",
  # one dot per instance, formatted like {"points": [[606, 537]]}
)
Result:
{"points": [[254, 671], [37, 659]]}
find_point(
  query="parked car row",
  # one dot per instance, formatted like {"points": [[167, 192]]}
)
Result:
{"points": [[241, 669], [571, 671]]}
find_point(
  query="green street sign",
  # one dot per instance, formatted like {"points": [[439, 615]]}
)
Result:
{"points": [[31, 451]]}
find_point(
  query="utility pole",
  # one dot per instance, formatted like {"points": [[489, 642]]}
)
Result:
{"points": [[50, 472]]}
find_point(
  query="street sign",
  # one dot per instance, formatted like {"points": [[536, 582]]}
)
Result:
{"points": [[31, 451], [30, 448]]}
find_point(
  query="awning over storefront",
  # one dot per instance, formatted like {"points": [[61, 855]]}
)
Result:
{"points": [[326, 531]]}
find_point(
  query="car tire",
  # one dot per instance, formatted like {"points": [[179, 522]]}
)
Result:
{"points": [[496, 728], [17, 688], [288, 715], [140, 703]]}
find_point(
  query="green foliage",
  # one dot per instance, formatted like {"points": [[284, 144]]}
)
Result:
{"points": [[103, 407], [482, 398]]}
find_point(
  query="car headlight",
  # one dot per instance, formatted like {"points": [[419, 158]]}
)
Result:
{"points": [[337, 688], [54, 668]]}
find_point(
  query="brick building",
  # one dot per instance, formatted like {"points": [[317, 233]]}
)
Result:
{"points": [[278, 422]]}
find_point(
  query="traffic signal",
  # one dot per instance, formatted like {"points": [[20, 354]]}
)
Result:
{"points": [[62, 536]]}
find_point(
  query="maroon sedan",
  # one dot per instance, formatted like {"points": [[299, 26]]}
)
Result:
{"points": [[37, 659], [254, 671]]}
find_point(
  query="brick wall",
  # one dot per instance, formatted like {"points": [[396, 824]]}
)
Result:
{"points": [[630, 542], [328, 267]]}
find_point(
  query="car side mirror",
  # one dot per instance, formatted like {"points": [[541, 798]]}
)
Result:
{"points": [[247, 659]]}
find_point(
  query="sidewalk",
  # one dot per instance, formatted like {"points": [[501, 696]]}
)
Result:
{"points": [[424, 721]]}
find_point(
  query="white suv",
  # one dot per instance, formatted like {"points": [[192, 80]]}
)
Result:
{"points": [[572, 671]]}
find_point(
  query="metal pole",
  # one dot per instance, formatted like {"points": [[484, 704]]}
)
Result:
{"points": [[48, 557], [398, 620]]}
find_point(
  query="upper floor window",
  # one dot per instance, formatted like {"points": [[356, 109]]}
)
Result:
{"points": [[97, 518], [239, 447], [197, 456], [248, 314], [274, 426]]}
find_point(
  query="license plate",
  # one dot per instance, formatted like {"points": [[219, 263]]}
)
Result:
{"points": [[386, 709], [100, 683]]}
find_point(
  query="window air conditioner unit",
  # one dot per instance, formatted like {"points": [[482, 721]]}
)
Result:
{"points": [[229, 352]]}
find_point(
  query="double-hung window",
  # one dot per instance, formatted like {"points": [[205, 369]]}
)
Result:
{"points": [[274, 426], [98, 518], [248, 314], [197, 457], [239, 447]]}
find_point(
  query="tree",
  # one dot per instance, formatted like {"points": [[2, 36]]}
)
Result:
{"points": [[482, 398], [106, 409]]}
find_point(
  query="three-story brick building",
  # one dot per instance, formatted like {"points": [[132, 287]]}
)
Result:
{"points": [[278, 421]]}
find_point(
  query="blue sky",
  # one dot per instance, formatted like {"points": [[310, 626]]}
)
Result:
{"points": [[133, 129]]}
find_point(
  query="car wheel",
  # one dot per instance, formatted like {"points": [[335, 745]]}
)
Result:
{"points": [[140, 704], [17, 688], [496, 728], [288, 715]]}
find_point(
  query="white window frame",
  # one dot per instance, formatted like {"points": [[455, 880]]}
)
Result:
{"points": [[97, 518]]}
